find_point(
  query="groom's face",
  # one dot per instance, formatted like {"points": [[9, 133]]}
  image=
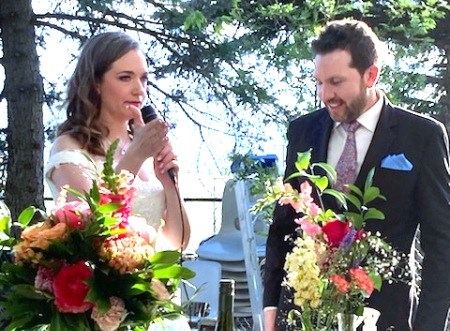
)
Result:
{"points": [[341, 88]]}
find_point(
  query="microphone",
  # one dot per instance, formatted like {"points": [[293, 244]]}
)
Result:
{"points": [[149, 114]]}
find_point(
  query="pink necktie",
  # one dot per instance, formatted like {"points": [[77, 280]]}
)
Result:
{"points": [[346, 166]]}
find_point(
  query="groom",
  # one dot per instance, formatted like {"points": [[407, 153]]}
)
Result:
{"points": [[411, 159]]}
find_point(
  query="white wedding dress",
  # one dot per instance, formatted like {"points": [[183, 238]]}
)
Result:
{"points": [[148, 203]]}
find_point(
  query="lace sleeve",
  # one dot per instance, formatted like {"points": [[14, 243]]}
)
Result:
{"points": [[75, 157]]}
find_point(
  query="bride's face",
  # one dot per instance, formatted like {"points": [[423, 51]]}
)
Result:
{"points": [[122, 85]]}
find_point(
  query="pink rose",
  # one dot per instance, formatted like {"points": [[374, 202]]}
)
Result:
{"points": [[70, 288], [73, 213], [335, 231]]}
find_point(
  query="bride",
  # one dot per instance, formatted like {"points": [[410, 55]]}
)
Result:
{"points": [[104, 98]]}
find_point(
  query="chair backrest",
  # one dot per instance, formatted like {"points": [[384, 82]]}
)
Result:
{"points": [[206, 285], [230, 214]]}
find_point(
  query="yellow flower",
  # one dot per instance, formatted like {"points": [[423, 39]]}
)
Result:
{"points": [[303, 273]]}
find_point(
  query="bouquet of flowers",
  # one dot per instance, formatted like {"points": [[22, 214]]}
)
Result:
{"points": [[335, 264], [89, 265]]}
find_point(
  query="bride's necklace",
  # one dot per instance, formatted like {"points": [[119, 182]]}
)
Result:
{"points": [[121, 147]]}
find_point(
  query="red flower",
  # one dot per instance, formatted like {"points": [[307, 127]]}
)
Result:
{"points": [[74, 214], [335, 231], [70, 288]]}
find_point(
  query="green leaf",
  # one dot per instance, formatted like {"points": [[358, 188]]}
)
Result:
{"points": [[4, 224], [165, 257], [356, 219], [354, 200], [194, 21], [26, 215], [94, 192], [172, 271], [108, 208], [75, 193], [294, 175], [321, 182], [330, 171], [373, 213], [369, 179], [370, 194], [339, 196], [355, 189], [303, 160], [139, 288], [18, 323], [376, 279], [28, 292]]}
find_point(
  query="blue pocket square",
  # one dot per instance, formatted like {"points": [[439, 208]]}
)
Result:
{"points": [[396, 162]]}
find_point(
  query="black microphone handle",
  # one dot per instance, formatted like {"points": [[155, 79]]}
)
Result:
{"points": [[149, 114]]}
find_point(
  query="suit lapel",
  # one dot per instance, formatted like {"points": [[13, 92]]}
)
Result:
{"points": [[383, 137]]}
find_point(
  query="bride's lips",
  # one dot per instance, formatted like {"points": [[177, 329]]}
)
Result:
{"points": [[137, 104]]}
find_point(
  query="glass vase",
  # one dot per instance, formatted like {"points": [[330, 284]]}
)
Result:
{"points": [[346, 322]]}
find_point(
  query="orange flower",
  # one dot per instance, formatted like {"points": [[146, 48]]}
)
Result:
{"points": [[341, 284], [362, 280]]}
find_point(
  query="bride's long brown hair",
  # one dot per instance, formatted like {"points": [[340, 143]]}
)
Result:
{"points": [[83, 100]]}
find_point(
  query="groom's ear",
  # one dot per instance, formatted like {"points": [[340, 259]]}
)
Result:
{"points": [[371, 75]]}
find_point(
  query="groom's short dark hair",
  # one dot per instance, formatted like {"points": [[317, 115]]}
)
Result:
{"points": [[354, 36]]}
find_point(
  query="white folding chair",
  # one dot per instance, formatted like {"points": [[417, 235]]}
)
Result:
{"points": [[202, 292]]}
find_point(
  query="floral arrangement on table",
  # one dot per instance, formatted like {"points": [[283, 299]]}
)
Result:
{"points": [[335, 264], [89, 265]]}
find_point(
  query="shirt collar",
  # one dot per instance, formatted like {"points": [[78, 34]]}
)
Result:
{"points": [[369, 118]]}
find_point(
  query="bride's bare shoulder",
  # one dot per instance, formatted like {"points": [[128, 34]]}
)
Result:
{"points": [[65, 142]]}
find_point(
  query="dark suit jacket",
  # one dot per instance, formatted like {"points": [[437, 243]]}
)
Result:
{"points": [[420, 196]]}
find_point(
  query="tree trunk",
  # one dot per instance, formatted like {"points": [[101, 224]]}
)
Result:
{"points": [[24, 94]]}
